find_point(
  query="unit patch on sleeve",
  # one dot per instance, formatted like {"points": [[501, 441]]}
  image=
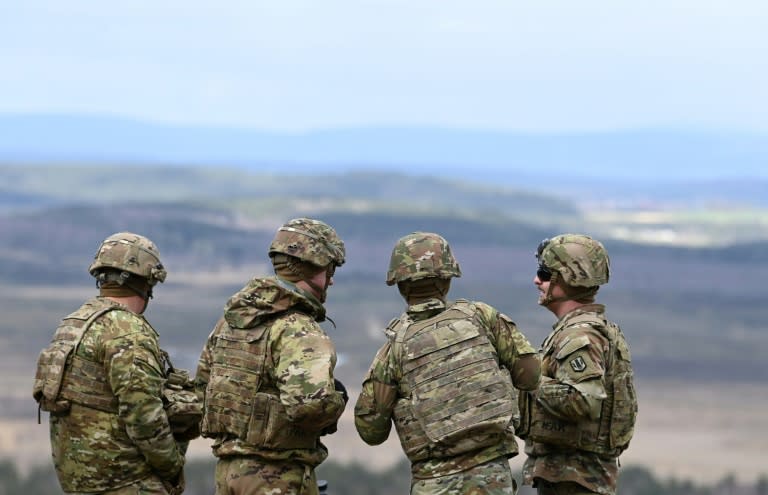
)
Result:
{"points": [[578, 364]]}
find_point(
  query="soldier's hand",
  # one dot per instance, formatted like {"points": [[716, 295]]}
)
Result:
{"points": [[186, 434], [175, 486], [341, 388]]}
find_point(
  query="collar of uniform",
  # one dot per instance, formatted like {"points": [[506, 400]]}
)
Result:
{"points": [[587, 308], [426, 309]]}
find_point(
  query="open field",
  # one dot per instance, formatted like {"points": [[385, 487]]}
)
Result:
{"points": [[716, 225], [702, 432], [694, 314]]}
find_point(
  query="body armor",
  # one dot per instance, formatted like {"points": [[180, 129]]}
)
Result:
{"points": [[239, 401], [458, 399], [63, 377], [611, 433]]}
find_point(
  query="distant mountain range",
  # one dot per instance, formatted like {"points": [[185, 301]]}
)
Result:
{"points": [[657, 164], [652, 154]]}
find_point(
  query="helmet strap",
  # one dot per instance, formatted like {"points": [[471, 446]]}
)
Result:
{"points": [[586, 296], [320, 291]]}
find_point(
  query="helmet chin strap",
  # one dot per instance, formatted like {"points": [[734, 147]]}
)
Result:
{"points": [[548, 298], [322, 292]]}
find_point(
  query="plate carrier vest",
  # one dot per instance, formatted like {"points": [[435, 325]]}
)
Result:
{"points": [[610, 434], [238, 401], [63, 377], [460, 398]]}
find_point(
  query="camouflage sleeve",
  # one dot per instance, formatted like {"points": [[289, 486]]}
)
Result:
{"points": [[514, 351], [577, 389], [132, 362], [304, 358], [374, 406]]}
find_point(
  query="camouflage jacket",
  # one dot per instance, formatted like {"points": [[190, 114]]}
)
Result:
{"points": [[383, 387], [97, 450], [573, 399], [266, 375]]}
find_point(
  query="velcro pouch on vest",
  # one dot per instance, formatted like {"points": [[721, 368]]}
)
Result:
{"points": [[238, 359], [49, 375], [53, 360], [270, 427]]}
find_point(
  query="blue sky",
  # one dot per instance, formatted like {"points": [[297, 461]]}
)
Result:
{"points": [[545, 66]]}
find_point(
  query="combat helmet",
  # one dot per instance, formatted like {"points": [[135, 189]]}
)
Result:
{"points": [[128, 254], [421, 255], [579, 260], [309, 240]]}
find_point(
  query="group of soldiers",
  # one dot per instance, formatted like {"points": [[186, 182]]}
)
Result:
{"points": [[456, 377]]}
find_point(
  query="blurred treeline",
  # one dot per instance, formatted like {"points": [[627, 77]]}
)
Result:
{"points": [[356, 479]]}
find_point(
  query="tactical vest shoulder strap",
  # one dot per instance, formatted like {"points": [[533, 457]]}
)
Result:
{"points": [[52, 383], [55, 361]]}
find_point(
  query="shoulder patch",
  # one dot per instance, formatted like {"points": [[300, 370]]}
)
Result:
{"points": [[578, 364]]}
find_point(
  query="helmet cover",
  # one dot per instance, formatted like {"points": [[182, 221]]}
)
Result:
{"points": [[131, 253], [309, 240], [580, 260], [421, 255]]}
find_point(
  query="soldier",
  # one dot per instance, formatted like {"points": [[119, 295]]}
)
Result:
{"points": [[102, 380], [582, 416], [266, 371], [446, 377]]}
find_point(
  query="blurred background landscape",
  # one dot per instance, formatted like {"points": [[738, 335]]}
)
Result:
{"points": [[690, 303], [205, 126]]}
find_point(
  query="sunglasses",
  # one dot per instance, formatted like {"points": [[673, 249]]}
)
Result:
{"points": [[543, 273]]}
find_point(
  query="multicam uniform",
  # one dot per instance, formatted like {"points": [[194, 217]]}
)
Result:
{"points": [[107, 423], [379, 406], [102, 378], [583, 414], [446, 379], [266, 373]]}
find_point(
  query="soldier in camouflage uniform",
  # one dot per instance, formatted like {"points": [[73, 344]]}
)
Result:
{"points": [[446, 378], [102, 379], [266, 371], [582, 416]]}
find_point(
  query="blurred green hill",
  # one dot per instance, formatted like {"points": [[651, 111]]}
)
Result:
{"points": [[691, 313]]}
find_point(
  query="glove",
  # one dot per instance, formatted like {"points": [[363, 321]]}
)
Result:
{"points": [[331, 429], [341, 388], [175, 486], [192, 431]]}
